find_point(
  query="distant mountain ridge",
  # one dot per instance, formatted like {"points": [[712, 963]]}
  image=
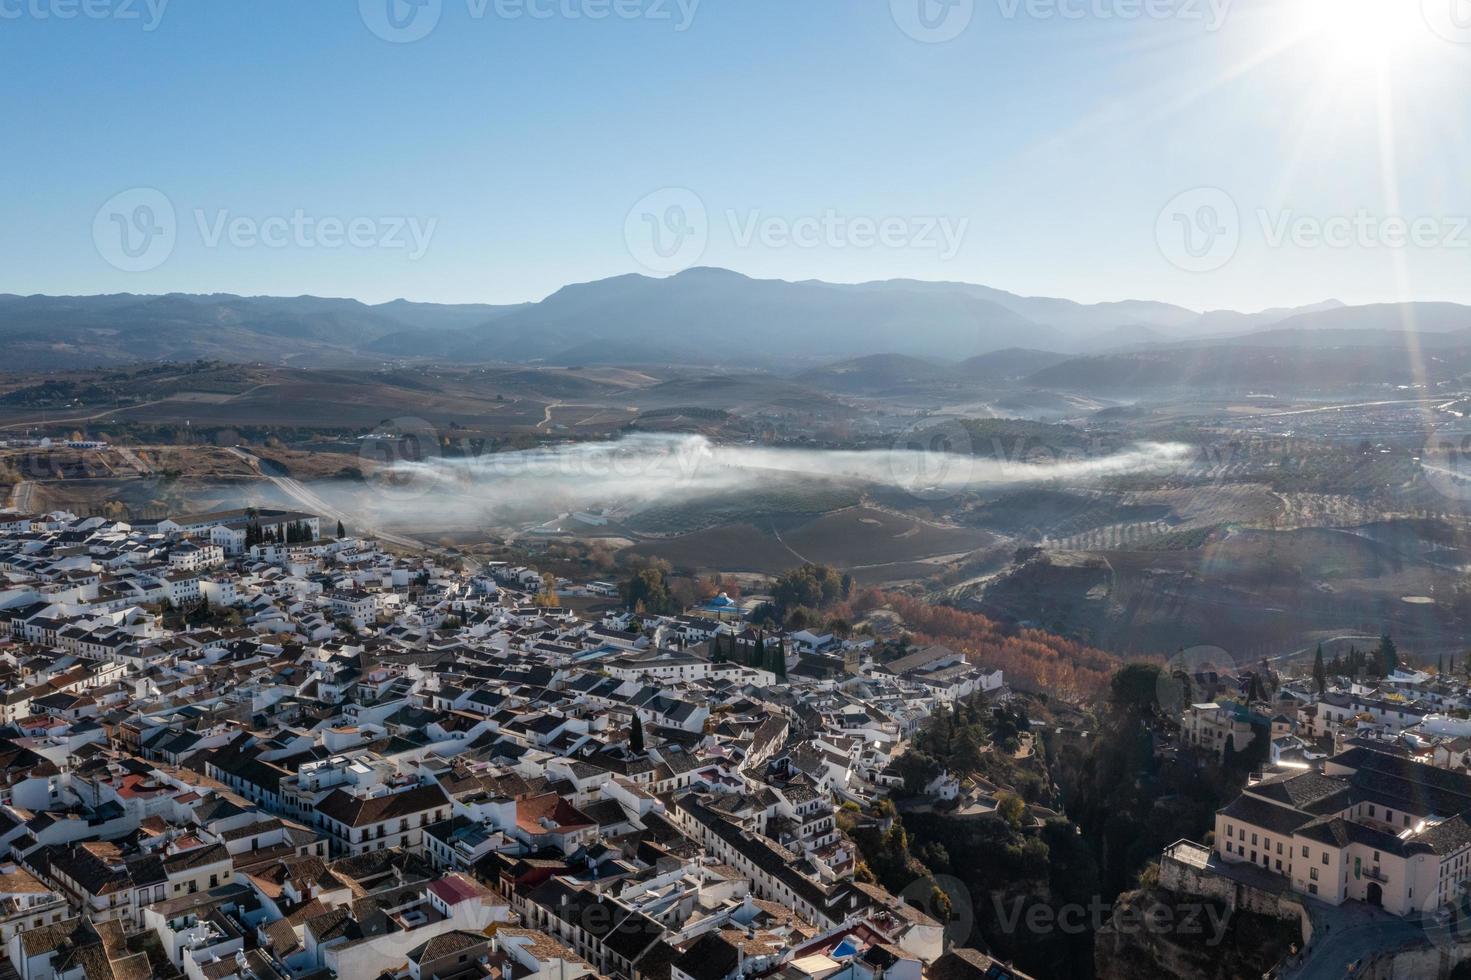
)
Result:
{"points": [[702, 316]]}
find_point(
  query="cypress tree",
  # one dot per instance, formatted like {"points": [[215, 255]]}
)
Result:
{"points": [[1387, 655]]}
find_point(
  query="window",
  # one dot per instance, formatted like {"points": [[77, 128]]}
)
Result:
{"points": [[1304, 850], [1313, 873], [1325, 857]]}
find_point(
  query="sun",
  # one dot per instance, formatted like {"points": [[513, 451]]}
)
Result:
{"points": [[1363, 35]]}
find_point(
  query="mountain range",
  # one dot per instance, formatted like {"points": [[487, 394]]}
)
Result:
{"points": [[703, 316]]}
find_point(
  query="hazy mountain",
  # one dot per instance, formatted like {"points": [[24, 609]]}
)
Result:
{"points": [[699, 317], [41, 332], [1062, 314], [717, 311], [437, 316], [1396, 317], [878, 374], [1299, 368], [1223, 322], [1008, 364]]}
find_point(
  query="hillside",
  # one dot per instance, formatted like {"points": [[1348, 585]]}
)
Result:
{"points": [[891, 334], [1301, 368], [878, 374]]}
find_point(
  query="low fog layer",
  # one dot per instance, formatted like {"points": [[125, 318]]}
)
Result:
{"points": [[647, 470]]}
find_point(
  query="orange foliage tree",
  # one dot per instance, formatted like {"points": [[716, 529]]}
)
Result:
{"points": [[1032, 659]]}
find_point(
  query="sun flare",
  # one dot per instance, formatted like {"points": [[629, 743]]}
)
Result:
{"points": [[1359, 35]]}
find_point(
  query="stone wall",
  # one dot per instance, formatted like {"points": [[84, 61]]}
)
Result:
{"points": [[1188, 879], [1425, 963]]}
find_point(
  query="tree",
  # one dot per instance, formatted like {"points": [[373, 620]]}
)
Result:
{"points": [[1011, 808], [1134, 691], [1255, 691], [968, 749], [341, 531], [636, 735], [812, 586], [940, 903], [1386, 657], [547, 597], [648, 587], [1320, 672]]}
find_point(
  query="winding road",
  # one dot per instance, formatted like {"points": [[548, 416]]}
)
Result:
{"points": [[310, 501], [315, 504], [20, 496]]}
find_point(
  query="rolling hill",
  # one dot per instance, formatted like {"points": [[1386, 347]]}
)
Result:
{"points": [[703, 316]]}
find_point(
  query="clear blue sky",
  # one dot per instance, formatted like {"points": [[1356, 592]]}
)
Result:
{"points": [[1056, 141]]}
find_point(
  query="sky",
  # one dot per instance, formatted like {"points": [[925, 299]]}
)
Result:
{"points": [[1209, 153]]}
